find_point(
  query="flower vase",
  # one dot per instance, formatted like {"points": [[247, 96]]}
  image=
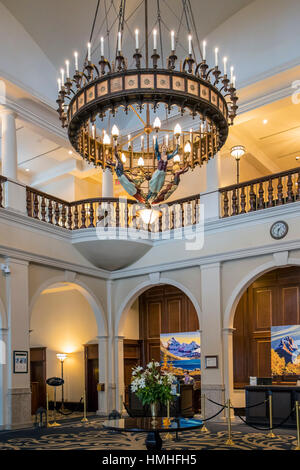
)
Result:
{"points": [[154, 411]]}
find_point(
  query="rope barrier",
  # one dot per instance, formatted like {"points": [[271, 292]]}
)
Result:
{"points": [[268, 428], [211, 417], [246, 407]]}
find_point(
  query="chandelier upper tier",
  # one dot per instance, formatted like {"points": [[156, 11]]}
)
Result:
{"points": [[149, 162]]}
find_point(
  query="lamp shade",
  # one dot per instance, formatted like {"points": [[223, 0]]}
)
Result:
{"points": [[115, 131], [62, 356], [157, 123], [177, 130], [106, 139], [187, 147], [238, 151]]}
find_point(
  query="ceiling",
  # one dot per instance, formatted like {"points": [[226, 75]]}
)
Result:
{"points": [[61, 26]]}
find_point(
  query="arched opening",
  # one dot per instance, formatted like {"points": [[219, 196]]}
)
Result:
{"points": [[65, 319], [269, 304], [163, 309]]}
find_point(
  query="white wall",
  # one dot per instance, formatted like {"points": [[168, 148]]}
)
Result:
{"points": [[23, 62], [132, 322], [64, 322]]}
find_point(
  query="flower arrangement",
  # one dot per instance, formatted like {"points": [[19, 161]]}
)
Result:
{"points": [[152, 385]]}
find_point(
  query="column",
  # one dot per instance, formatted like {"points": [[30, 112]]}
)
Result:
{"points": [[111, 373], [210, 198], [212, 379], [18, 384], [9, 143], [107, 183], [228, 363], [103, 375], [119, 368], [14, 191], [3, 377]]}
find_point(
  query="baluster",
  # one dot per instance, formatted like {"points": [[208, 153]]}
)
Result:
{"points": [[76, 218], [234, 202], [50, 212], [1, 194], [63, 216], [261, 201], [28, 202], [83, 216], [117, 214], [91, 215], [270, 193], [56, 213], [243, 200], [69, 217], [252, 199], [182, 214], [225, 204], [280, 200], [35, 206], [290, 189], [43, 209]]}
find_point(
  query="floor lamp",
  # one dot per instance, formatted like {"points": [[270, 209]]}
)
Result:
{"points": [[237, 152], [62, 357]]}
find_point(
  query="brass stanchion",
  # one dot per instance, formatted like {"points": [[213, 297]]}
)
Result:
{"points": [[47, 409], [203, 398], [84, 419], [298, 426], [169, 436], [229, 441], [271, 434], [54, 412]]}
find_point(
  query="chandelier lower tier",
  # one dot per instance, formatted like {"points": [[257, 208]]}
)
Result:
{"points": [[148, 170]]}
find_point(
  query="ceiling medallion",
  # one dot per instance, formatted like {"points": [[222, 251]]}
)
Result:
{"points": [[151, 172]]}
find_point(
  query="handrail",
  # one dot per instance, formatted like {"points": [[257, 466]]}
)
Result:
{"points": [[261, 179]]}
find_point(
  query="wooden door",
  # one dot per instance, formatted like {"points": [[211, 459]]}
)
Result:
{"points": [[132, 358], [91, 376], [38, 378]]}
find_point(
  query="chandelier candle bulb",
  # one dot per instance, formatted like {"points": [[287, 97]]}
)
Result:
{"points": [[67, 68], [137, 39], [76, 60], [141, 161], [233, 81], [123, 158], [172, 41], [204, 50], [102, 46], [157, 124], [89, 51], [225, 65], [231, 73], [190, 44], [167, 140], [154, 39], [216, 56], [119, 41], [62, 77], [142, 142], [59, 84]]}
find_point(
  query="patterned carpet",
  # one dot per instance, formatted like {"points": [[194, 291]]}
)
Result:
{"points": [[92, 436]]}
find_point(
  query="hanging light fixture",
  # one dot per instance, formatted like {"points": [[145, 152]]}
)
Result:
{"points": [[101, 86]]}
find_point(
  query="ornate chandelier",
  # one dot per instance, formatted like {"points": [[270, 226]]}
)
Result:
{"points": [[149, 163]]}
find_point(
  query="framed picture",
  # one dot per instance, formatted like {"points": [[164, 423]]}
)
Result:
{"points": [[211, 362], [20, 362]]}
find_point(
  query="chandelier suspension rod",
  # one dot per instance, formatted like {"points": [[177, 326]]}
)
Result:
{"points": [[187, 23], [147, 65], [195, 29]]}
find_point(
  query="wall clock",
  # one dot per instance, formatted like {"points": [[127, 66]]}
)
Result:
{"points": [[279, 230]]}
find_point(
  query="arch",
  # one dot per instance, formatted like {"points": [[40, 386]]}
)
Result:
{"points": [[245, 283], [84, 290], [142, 287], [231, 309]]}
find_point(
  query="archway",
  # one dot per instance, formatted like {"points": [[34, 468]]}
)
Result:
{"points": [[65, 317], [269, 300], [148, 312]]}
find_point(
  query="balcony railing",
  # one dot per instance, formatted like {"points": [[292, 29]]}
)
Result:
{"points": [[2, 181], [261, 193], [109, 212]]}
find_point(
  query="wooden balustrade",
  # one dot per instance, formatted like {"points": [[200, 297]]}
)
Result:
{"points": [[109, 212], [2, 181], [261, 193]]}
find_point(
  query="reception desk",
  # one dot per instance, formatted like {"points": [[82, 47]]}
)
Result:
{"points": [[283, 400]]}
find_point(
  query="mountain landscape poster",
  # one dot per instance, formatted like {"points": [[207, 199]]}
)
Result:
{"points": [[181, 352], [285, 350]]}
